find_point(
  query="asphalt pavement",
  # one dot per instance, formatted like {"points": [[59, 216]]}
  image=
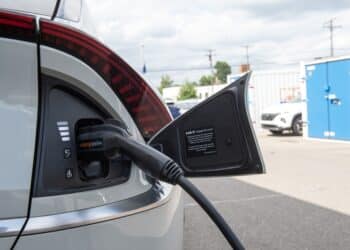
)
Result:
{"points": [[301, 203]]}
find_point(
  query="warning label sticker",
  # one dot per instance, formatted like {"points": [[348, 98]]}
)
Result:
{"points": [[200, 142]]}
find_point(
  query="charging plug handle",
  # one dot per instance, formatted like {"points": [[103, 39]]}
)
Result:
{"points": [[109, 140]]}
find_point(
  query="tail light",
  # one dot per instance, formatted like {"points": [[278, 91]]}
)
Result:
{"points": [[147, 110], [15, 26]]}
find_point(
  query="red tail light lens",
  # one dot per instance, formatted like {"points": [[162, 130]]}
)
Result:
{"points": [[147, 110], [15, 26]]}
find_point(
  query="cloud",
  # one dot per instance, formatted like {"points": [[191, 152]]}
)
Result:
{"points": [[177, 34]]}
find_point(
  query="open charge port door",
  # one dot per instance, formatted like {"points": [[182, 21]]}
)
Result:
{"points": [[215, 137]]}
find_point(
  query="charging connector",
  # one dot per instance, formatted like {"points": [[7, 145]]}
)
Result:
{"points": [[109, 140]]}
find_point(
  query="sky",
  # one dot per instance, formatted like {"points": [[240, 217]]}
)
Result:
{"points": [[178, 34]]}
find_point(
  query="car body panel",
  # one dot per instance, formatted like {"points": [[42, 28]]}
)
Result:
{"points": [[6, 243], [37, 7], [76, 14], [18, 103], [18, 109], [158, 229]]}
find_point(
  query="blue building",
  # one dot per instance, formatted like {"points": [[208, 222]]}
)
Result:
{"points": [[328, 98]]}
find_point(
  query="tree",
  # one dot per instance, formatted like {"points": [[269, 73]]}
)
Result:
{"points": [[187, 91], [165, 82], [222, 70], [206, 80]]}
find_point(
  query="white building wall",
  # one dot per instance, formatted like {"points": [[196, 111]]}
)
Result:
{"points": [[202, 91], [171, 93]]}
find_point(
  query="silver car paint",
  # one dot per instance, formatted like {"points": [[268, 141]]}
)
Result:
{"points": [[18, 112], [157, 229], [11, 227], [38, 7], [6, 243], [81, 19], [153, 198]]}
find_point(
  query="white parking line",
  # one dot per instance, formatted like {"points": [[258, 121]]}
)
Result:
{"points": [[262, 197]]}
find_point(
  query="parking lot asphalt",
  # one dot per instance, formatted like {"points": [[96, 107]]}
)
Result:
{"points": [[302, 202]]}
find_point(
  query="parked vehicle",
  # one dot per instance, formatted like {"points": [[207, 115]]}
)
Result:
{"points": [[79, 125], [174, 110], [282, 117], [186, 105]]}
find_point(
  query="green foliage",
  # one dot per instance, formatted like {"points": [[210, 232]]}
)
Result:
{"points": [[206, 80], [222, 69], [187, 91], [165, 82]]}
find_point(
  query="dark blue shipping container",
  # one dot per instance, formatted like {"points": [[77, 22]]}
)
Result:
{"points": [[328, 99]]}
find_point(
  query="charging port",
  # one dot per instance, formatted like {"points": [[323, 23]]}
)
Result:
{"points": [[60, 168], [95, 168], [90, 169]]}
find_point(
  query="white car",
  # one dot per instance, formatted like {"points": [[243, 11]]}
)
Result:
{"points": [[282, 117], [90, 156]]}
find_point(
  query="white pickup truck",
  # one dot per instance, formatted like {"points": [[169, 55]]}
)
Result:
{"points": [[282, 117]]}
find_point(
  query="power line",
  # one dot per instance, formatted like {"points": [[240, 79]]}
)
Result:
{"points": [[330, 25], [201, 68], [179, 69]]}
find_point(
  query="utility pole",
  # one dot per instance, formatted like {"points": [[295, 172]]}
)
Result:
{"points": [[210, 57], [142, 57], [330, 25], [245, 67]]}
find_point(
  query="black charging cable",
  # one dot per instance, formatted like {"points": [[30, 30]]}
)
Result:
{"points": [[107, 140], [211, 211]]}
